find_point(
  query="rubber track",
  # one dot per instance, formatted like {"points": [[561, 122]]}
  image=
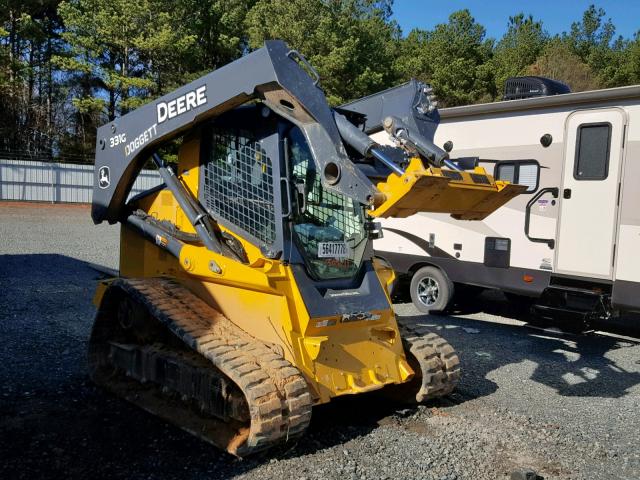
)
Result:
{"points": [[437, 359], [276, 393]]}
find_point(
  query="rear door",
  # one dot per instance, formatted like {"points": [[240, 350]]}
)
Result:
{"points": [[589, 194]]}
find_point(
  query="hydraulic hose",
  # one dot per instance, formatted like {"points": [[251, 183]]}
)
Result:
{"points": [[196, 215], [414, 140]]}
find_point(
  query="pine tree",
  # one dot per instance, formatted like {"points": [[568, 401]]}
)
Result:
{"points": [[351, 43], [454, 57], [518, 48]]}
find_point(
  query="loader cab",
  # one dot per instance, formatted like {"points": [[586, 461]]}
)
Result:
{"points": [[260, 179]]}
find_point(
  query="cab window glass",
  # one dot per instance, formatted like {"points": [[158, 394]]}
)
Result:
{"points": [[328, 227]]}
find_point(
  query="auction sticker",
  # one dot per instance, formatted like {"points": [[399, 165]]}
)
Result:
{"points": [[333, 250]]}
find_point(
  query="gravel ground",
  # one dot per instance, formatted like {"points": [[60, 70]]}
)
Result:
{"points": [[44, 228], [565, 405]]}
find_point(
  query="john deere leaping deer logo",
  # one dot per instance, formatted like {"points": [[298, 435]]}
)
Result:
{"points": [[103, 177]]}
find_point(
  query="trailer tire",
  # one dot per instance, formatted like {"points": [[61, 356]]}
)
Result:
{"points": [[431, 290]]}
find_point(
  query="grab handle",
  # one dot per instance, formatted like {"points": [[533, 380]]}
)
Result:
{"points": [[295, 55], [549, 241]]}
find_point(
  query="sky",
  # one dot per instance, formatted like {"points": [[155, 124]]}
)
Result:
{"points": [[556, 15]]}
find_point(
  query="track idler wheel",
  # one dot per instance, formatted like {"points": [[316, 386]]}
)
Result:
{"points": [[434, 361]]}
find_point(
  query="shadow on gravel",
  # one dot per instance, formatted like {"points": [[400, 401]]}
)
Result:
{"points": [[576, 365], [54, 423]]}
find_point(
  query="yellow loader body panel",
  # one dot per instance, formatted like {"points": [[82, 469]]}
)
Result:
{"points": [[337, 356]]}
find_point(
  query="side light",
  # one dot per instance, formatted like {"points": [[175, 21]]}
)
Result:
{"points": [[325, 323]]}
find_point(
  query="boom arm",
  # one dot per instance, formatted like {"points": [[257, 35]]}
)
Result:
{"points": [[407, 111], [271, 73]]}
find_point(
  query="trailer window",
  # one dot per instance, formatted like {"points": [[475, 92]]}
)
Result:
{"points": [[592, 151], [524, 172], [506, 172]]}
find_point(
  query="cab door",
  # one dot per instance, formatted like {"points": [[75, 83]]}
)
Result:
{"points": [[589, 194]]}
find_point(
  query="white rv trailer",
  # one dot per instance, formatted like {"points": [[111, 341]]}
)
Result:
{"points": [[572, 241]]}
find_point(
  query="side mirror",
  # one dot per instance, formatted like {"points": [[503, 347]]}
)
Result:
{"points": [[374, 230], [301, 195]]}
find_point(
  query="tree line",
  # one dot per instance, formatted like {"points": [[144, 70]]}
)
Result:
{"points": [[67, 67]]}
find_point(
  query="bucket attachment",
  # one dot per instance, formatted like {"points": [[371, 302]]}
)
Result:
{"points": [[466, 195]]}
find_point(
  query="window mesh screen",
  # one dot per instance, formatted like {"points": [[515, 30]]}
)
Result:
{"points": [[238, 184]]}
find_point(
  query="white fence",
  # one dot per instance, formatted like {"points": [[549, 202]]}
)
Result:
{"points": [[57, 182]]}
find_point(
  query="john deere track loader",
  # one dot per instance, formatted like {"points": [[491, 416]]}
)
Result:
{"points": [[248, 291]]}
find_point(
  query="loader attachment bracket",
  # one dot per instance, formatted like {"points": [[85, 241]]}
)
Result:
{"points": [[465, 195]]}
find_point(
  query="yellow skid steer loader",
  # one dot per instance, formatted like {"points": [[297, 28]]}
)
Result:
{"points": [[249, 291]]}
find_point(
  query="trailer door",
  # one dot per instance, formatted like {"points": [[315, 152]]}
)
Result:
{"points": [[589, 195]]}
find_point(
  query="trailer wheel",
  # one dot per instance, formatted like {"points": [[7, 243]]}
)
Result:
{"points": [[431, 290]]}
